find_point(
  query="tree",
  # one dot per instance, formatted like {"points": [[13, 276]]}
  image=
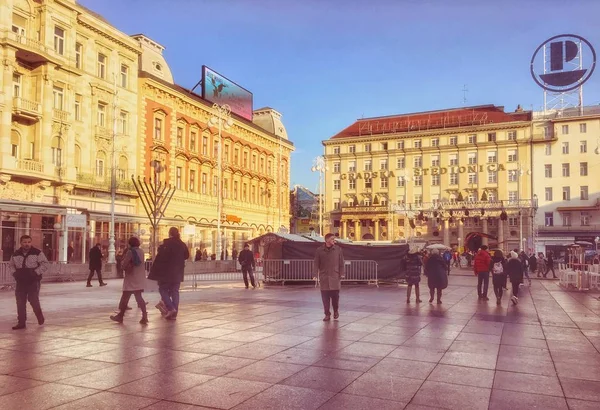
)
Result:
{"points": [[484, 196], [460, 197]]}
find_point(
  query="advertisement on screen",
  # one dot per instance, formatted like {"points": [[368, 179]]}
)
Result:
{"points": [[220, 90]]}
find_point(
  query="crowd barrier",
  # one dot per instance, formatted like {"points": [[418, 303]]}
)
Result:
{"points": [[302, 270], [582, 277]]}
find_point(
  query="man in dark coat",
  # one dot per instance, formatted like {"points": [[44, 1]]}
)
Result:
{"points": [[95, 257], [246, 259], [412, 268], [533, 268], [27, 265], [437, 276], [329, 266], [168, 269], [514, 270]]}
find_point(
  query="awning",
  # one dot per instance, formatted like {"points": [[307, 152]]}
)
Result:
{"points": [[577, 208], [36, 208]]}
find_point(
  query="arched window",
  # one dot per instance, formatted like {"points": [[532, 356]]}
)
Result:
{"points": [[57, 147], [122, 169], [14, 143], [100, 164], [77, 159]]}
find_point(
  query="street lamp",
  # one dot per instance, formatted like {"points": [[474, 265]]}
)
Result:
{"points": [[222, 118], [519, 172], [320, 167]]}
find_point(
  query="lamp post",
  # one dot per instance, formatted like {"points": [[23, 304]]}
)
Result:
{"points": [[520, 171], [222, 118], [320, 166], [113, 182]]}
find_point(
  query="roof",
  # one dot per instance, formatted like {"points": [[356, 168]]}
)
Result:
{"points": [[430, 120]]}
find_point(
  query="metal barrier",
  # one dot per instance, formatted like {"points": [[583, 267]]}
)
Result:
{"points": [[302, 270], [6, 279], [582, 277], [361, 271]]}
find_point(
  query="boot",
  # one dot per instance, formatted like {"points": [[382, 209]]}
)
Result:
{"points": [[19, 326], [89, 285], [118, 317], [144, 320]]}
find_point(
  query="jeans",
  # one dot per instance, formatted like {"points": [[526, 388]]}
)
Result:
{"points": [[548, 269], [247, 270], [483, 278], [499, 281], [169, 293], [138, 298], [526, 274], [334, 297], [31, 292], [91, 275], [515, 288]]}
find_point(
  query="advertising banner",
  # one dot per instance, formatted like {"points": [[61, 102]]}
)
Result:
{"points": [[220, 90]]}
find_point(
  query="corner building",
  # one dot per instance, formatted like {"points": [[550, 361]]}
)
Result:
{"points": [[433, 177]]}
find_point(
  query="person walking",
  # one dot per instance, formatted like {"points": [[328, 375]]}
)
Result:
{"points": [[135, 279], [329, 266], [481, 267], [514, 270], [198, 255], [533, 264], [246, 260], [541, 264], [437, 278], [27, 265], [412, 268], [168, 270], [95, 265], [525, 262], [498, 275], [447, 258], [550, 265]]}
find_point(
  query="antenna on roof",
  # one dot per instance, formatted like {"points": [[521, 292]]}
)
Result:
{"points": [[465, 90], [194, 87]]}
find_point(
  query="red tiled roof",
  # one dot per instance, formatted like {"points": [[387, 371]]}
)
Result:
{"points": [[430, 120]]}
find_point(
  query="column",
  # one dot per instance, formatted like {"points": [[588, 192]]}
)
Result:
{"points": [[376, 222], [484, 223], [461, 233], [344, 232], [63, 242], [6, 72], [357, 229], [446, 232], [501, 243]]}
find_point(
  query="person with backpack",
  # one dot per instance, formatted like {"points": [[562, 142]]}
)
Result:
{"points": [[498, 275], [447, 258], [134, 281], [481, 268], [525, 262], [514, 270]]}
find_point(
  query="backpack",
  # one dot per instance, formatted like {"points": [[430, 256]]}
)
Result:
{"points": [[498, 269]]}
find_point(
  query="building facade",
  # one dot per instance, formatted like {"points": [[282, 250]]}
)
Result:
{"points": [[68, 109], [433, 177], [566, 148], [304, 206]]}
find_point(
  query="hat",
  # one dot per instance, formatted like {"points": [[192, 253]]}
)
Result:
{"points": [[413, 249], [514, 255]]}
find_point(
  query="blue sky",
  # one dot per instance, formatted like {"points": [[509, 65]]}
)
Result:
{"points": [[325, 63]]}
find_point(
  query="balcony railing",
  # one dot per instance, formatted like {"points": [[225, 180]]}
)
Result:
{"points": [[30, 165], [60, 115], [9, 35], [31, 109]]}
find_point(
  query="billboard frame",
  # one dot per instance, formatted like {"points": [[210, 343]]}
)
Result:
{"points": [[233, 110]]}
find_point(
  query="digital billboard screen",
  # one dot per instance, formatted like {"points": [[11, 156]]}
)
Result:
{"points": [[220, 90]]}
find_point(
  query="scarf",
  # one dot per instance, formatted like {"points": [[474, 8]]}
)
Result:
{"points": [[135, 257]]}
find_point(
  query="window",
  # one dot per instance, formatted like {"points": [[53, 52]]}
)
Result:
{"points": [[368, 165], [472, 139], [203, 184], [383, 182], [262, 164], [59, 40], [101, 72], [102, 115], [435, 160], [548, 150], [583, 128], [401, 181], [583, 147], [192, 185], [56, 151], [512, 196], [236, 158], [245, 160], [216, 149], [472, 158], [565, 147], [583, 192], [492, 177], [336, 184], [269, 167], [336, 167], [472, 178], [215, 187], [179, 140], [158, 128], [548, 194], [351, 166], [513, 175], [193, 137], [565, 129], [352, 149], [585, 218], [419, 180], [549, 218], [472, 196], [58, 98], [547, 133], [513, 221], [78, 55], [367, 202], [435, 142], [583, 169], [453, 178], [492, 157], [566, 170], [418, 162], [383, 164], [204, 145], [123, 122], [511, 135], [418, 200], [491, 194], [400, 145], [417, 143], [235, 191], [453, 140], [226, 190], [368, 183], [336, 205], [78, 107], [367, 147], [336, 150], [14, 150], [17, 85], [178, 172], [124, 75], [384, 146], [566, 193], [548, 170], [491, 137], [566, 218], [512, 155], [99, 167], [352, 184], [453, 159], [401, 163], [254, 162], [435, 180]]}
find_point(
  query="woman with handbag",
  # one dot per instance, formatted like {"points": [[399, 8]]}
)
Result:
{"points": [[135, 279]]}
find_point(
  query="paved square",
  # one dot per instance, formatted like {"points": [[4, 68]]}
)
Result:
{"points": [[233, 348]]}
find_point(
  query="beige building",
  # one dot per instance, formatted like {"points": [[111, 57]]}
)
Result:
{"points": [[566, 149], [433, 177], [68, 109]]}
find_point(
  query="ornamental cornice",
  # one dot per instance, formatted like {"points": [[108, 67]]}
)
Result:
{"points": [[82, 20]]}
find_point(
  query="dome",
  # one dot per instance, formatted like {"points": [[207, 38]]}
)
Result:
{"points": [[152, 60], [270, 120]]}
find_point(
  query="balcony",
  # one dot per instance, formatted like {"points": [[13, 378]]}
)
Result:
{"points": [[30, 165], [60, 115], [27, 109], [29, 49]]}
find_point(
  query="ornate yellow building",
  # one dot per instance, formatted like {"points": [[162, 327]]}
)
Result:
{"points": [[433, 177]]}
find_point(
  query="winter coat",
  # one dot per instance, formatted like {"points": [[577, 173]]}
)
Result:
{"points": [[169, 264], [329, 265], [246, 258], [135, 279], [514, 270], [95, 258], [532, 263], [482, 262], [27, 268], [412, 268], [436, 271], [496, 259], [550, 261]]}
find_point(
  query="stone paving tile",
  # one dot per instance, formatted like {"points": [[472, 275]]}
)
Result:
{"points": [[44, 396], [287, 397], [385, 387], [10, 384], [467, 376], [63, 370], [109, 400], [448, 396], [575, 404], [404, 368], [351, 402], [268, 372], [162, 385], [479, 360], [110, 377], [528, 383], [504, 399], [215, 365], [581, 389]]}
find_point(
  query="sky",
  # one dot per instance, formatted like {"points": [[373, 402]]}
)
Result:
{"points": [[326, 63]]}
